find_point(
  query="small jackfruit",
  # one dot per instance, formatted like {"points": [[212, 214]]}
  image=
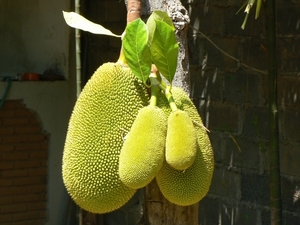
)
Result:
{"points": [[104, 111], [186, 187], [181, 141], [142, 154]]}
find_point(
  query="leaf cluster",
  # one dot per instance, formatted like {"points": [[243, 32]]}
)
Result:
{"points": [[149, 49], [150, 43], [143, 44]]}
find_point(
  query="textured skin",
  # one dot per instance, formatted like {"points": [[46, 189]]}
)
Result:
{"points": [[101, 118], [143, 152], [181, 141], [188, 186]]}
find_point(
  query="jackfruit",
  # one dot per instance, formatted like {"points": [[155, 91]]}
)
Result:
{"points": [[186, 187], [181, 141], [143, 152], [103, 114]]}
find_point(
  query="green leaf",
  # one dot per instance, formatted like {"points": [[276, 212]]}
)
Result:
{"points": [[164, 50], [136, 50], [151, 24], [77, 21]]}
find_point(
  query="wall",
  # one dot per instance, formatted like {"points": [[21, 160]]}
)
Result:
{"points": [[52, 102], [23, 166], [233, 102], [98, 49], [34, 37]]}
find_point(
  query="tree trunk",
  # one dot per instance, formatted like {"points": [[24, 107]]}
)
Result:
{"points": [[158, 210], [180, 18]]}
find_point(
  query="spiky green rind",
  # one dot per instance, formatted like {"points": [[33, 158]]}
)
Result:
{"points": [[181, 141], [142, 154], [102, 116], [186, 187]]}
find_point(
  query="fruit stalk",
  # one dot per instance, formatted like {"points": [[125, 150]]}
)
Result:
{"points": [[154, 91], [170, 98]]}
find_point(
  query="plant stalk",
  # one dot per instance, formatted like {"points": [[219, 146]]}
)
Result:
{"points": [[78, 51], [170, 98], [275, 180], [78, 85]]}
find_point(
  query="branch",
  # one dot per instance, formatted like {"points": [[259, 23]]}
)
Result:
{"points": [[230, 56], [133, 10]]}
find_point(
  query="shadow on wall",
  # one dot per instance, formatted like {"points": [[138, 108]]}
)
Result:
{"points": [[229, 79]]}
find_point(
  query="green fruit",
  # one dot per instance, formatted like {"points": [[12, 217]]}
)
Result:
{"points": [[181, 141], [103, 113], [142, 154], [186, 187]]}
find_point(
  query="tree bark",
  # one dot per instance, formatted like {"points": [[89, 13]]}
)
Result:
{"points": [[180, 18]]}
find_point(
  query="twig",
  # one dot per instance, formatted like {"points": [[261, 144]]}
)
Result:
{"points": [[230, 56], [200, 125], [235, 142]]}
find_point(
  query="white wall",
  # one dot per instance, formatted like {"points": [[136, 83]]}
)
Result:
{"points": [[34, 37]]}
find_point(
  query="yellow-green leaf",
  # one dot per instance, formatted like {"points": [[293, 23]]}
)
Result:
{"points": [[77, 21]]}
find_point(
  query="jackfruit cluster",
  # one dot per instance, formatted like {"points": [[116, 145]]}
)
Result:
{"points": [[142, 154], [101, 118], [186, 173], [187, 187], [116, 143]]}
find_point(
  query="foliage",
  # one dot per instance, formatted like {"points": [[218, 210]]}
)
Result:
{"points": [[248, 5], [136, 49], [155, 41], [143, 44]]}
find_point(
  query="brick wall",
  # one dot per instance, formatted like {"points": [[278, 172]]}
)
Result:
{"points": [[233, 102], [23, 166], [98, 49]]}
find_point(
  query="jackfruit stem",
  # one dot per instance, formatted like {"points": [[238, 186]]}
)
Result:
{"points": [[154, 91], [154, 88], [170, 98], [122, 59], [162, 86], [156, 81]]}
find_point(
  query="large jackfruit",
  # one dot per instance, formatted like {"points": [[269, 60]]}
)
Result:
{"points": [[186, 187], [143, 152], [181, 141], [103, 114]]}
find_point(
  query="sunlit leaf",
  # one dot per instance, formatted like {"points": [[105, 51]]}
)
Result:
{"points": [[164, 50], [157, 15], [136, 50], [77, 21]]}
